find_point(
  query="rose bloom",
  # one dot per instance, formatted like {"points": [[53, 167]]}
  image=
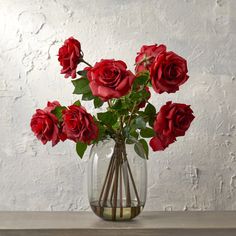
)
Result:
{"points": [[78, 125], [69, 56], [110, 79], [173, 120], [168, 72], [147, 55], [44, 124]]}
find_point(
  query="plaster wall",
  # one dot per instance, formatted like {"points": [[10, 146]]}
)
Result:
{"points": [[198, 172]]}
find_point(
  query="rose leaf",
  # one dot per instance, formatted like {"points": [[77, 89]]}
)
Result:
{"points": [[81, 86], [80, 149], [58, 112], [147, 132], [97, 102]]}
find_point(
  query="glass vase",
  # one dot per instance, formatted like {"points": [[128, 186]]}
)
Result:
{"points": [[117, 179]]}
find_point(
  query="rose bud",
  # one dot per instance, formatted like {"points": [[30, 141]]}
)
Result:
{"points": [[51, 106]]}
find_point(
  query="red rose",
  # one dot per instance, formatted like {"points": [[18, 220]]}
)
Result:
{"points": [[147, 55], [168, 72], [69, 56], [143, 103], [110, 79], [78, 125], [173, 120], [45, 125]]}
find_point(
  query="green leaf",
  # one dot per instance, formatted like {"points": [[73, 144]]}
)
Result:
{"points": [[97, 102], [101, 132], [134, 134], [141, 148], [77, 103], [107, 117], [146, 94], [117, 105], [147, 132], [83, 73], [80, 149], [81, 86], [136, 96], [150, 110], [122, 111], [140, 123], [131, 140], [127, 131], [140, 80], [143, 142], [87, 96], [149, 84], [58, 112], [151, 121]]}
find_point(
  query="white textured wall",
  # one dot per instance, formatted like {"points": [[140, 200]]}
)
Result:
{"points": [[196, 173]]}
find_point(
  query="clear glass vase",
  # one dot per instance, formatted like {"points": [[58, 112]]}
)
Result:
{"points": [[117, 179]]}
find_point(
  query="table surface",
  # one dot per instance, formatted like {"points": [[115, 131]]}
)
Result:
{"points": [[148, 223]]}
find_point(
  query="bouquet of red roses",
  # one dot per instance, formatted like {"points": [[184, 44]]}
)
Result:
{"points": [[129, 112], [129, 117]]}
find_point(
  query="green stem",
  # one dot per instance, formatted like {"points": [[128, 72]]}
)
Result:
{"points": [[86, 63], [109, 103], [121, 125], [132, 112], [110, 127]]}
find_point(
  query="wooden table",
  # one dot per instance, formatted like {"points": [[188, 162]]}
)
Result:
{"points": [[87, 224]]}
